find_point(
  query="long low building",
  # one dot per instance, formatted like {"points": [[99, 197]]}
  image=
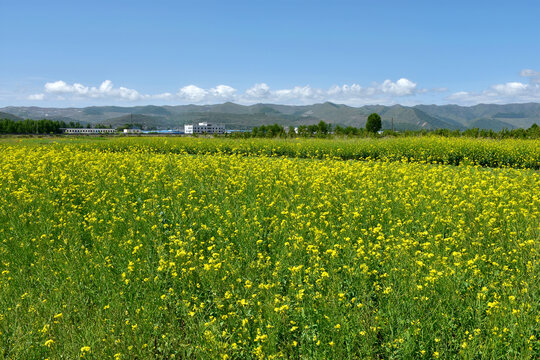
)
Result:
{"points": [[83, 131], [132, 131], [204, 128]]}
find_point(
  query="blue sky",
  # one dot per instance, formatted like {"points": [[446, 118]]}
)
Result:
{"points": [[74, 53]]}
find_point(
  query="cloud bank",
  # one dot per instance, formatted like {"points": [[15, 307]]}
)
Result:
{"points": [[388, 92], [510, 92], [105, 90]]}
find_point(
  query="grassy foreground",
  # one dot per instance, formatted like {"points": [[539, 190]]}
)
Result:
{"points": [[151, 254]]}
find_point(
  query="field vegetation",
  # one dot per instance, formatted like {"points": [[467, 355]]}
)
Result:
{"points": [[235, 249], [514, 153]]}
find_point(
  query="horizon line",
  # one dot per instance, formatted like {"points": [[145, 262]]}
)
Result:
{"points": [[260, 103]]}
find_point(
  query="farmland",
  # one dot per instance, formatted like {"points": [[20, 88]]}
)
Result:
{"points": [[221, 248], [436, 150]]}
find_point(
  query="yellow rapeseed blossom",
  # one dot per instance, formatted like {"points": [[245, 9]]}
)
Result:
{"points": [[49, 342], [208, 248]]}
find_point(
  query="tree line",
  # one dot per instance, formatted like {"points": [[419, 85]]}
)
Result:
{"points": [[44, 126], [322, 129], [325, 130], [31, 126]]}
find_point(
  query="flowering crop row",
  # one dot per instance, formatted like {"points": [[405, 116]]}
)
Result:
{"points": [[483, 152]]}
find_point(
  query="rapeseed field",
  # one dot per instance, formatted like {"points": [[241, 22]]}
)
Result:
{"points": [[515, 153], [142, 249]]}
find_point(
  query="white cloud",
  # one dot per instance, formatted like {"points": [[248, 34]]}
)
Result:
{"points": [[510, 88], [402, 87], [258, 91], [195, 94], [510, 92], [192, 93], [403, 91], [123, 93], [36, 97], [58, 87], [301, 94], [223, 91], [387, 92], [105, 90], [460, 94], [164, 96], [345, 90], [106, 86]]}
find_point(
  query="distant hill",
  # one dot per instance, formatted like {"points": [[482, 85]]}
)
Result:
{"points": [[415, 119], [146, 121], [491, 124], [5, 115], [235, 116], [516, 115]]}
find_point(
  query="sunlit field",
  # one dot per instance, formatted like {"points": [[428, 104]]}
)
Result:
{"points": [[142, 248], [514, 153]]}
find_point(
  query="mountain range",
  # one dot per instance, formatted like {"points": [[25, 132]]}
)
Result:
{"points": [[235, 116]]}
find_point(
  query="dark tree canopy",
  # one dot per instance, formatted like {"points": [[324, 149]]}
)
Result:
{"points": [[28, 126], [374, 123]]}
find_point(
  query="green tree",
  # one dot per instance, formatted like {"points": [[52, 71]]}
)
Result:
{"points": [[303, 130], [292, 132], [323, 128], [374, 123]]}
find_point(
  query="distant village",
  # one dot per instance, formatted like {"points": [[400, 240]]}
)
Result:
{"points": [[189, 129], [202, 128]]}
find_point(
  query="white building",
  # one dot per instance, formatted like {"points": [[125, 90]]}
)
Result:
{"points": [[204, 128], [82, 131], [132, 131]]}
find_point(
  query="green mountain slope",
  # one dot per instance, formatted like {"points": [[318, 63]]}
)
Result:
{"points": [[491, 124], [235, 116], [414, 119], [516, 115], [5, 115], [146, 121]]}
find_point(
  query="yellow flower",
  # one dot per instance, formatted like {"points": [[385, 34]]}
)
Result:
{"points": [[49, 342]]}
